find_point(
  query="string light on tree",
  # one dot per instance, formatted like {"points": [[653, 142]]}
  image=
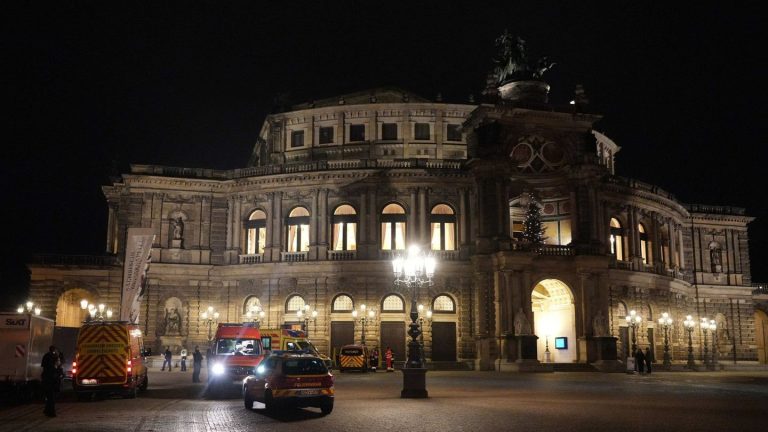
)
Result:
{"points": [[533, 230]]}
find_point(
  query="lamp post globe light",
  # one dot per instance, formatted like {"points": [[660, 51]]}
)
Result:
{"points": [[665, 322], [366, 315], [30, 307], [305, 316], [412, 272], [689, 324], [633, 321], [704, 327], [100, 312], [255, 315], [209, 317]]}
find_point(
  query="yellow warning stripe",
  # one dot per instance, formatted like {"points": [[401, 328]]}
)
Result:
{"points": [[350, 361]]}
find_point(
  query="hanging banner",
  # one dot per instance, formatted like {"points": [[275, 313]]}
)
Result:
{"points": [[137, 256]]}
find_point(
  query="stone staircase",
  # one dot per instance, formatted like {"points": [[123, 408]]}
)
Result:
{"points": [[573, 367]]}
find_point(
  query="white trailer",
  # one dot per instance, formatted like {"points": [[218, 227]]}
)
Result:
{"points": [[24, 339]]}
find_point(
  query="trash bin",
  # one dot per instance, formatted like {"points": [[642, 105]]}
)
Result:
{"points": [[630, 365]]}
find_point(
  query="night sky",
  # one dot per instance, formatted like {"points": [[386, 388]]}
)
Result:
{"points": [[91, 87]]}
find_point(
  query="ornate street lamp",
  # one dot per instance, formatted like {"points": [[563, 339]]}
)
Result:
{"points": [[306, 317], [666, 322], [689, 324], [713, 329], [30, 308], [209, 317], [704, 327], [100, 312], [255, 315], [365, 318], [421, 321], [412, 272], [709, 325], [633, 321]]}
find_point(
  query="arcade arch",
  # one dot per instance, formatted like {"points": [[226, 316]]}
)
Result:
{"points": [[554, 316], [68, 310]]}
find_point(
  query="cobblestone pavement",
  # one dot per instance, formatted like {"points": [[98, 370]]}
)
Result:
{"points": [[459, 401]]}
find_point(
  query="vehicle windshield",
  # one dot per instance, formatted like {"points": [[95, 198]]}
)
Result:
{"points": [[304, 366], [304, 346], [238, 347]]}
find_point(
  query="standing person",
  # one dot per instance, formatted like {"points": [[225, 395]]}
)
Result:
{"points": [[375, 359], [168, 357], [648, 360], [50, 380], [197, 364], [389, 358], [640, 361], [184, 360]]}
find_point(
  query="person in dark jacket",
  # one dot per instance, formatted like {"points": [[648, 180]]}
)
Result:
{"points": [[197, 364], [50, 380], [168, 357], [640, 361], [648, 360]]}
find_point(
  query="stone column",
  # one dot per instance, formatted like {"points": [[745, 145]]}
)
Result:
{"points": [[237, 223], [411, 229], [423, 231], [672, 244], [322, 224]]}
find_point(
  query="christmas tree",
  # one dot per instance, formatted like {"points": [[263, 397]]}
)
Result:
{"points": [[533, 231]]}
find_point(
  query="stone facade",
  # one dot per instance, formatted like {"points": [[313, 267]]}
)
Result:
{"points": [[267, 233]]}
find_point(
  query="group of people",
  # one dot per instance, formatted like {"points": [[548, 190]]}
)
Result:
{"points": [[389, 359], [643, 361], [197, 361]]}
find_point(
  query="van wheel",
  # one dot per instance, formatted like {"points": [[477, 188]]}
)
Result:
{"points": [[269, 401], [326, 407], [247, 401], [144, 383], [132, 392]]}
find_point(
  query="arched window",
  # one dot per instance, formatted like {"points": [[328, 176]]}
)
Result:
{"points": [[344, 228], [393, 303], [715, 257], [393, 227], [443, 304], [294, 303], [645, 244], [297, 230], [443, 228], [617, 240], [256, 232], [342, 303]]}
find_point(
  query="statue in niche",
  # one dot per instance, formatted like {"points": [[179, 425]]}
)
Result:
{"points": [[716, 257], [178, 228], [522, 325], [599, 325], [172, 321]]}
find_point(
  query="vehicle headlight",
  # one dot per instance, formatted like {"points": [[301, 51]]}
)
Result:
{"points": [[218, 369]]}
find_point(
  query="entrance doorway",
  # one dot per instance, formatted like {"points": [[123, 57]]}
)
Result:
{"points": [[342, 333], [393, 336], [443, 341], [554, 321], [68, 310], [761, 336]]}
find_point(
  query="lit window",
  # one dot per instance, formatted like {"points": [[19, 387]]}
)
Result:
{"points": [[256, 232], [392, 303], [443, 303], [617, 240], [393, 227], [342, 303], [297, 230], [443, 228], [344, 228], [294, 303], [421, 131], [645, 244], [557, 232]]}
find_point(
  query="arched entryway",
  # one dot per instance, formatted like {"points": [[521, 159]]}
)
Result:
{"points": [[761, 335], [68, 310], [554, 321]]}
